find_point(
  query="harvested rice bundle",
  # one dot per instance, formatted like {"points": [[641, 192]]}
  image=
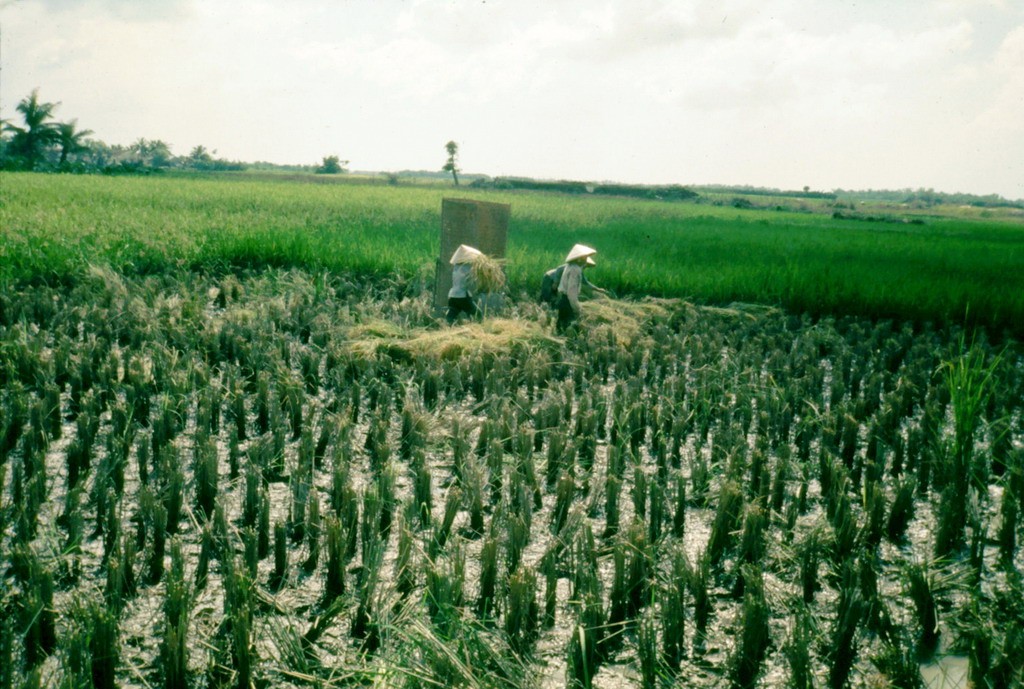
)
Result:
{"points": [[488, 274]]}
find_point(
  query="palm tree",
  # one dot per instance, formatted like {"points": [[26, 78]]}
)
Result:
{"points": [[30, 143], [152, 152], [71, 139], [5, 147], [199, 158]]}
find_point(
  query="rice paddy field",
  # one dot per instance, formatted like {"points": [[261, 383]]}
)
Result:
{"points": [[238, 448]]}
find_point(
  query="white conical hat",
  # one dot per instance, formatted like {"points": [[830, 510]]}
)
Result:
{"points": [[580, 251], [591, 262], [465, 254]]}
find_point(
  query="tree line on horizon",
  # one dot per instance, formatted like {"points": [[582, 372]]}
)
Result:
{"points": [[43, 144]]}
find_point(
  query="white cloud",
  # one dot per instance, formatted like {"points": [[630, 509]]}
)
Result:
{"points": [[781, 93], [132, 10], [1005, 112]]}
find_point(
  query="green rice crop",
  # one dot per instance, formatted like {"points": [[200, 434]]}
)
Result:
{"points": [[943, 269]]}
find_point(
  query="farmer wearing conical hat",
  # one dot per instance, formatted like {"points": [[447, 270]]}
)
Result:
{"points": [[549, 284], [460, 296], [570, 284]]}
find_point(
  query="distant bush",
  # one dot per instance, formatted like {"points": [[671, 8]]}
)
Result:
{"points": [[839, 215], [672, 192], [127, 167], [332, 165], [763, 191]]}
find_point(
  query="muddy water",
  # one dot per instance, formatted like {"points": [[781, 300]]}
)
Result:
{"points": [[948, 672]]}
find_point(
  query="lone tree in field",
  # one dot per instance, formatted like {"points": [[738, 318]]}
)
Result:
{"points": [[452, 165], [332, 166]]}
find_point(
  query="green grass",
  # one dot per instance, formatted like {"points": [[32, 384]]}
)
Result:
{"points": [[52, 227]]}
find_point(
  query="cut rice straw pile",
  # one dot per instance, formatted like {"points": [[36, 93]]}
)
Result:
{"points": [[491, 335], [625, 319]]}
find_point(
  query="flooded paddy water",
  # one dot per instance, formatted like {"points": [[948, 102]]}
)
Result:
{"points": [[287, 479]]}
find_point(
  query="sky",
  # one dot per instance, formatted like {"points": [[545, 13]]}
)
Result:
{"points": [[829, 94]]}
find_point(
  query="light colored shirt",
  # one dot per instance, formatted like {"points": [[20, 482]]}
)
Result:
{"points": [[556, 275], [569, 285], [461, 281]]}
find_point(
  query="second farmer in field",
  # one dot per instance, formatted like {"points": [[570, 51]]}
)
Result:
{"points": [[570, 284], [549, 285]]}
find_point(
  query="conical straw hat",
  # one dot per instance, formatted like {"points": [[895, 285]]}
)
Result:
{"points": [[465, 254], [580, 251], [591, 262]]}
